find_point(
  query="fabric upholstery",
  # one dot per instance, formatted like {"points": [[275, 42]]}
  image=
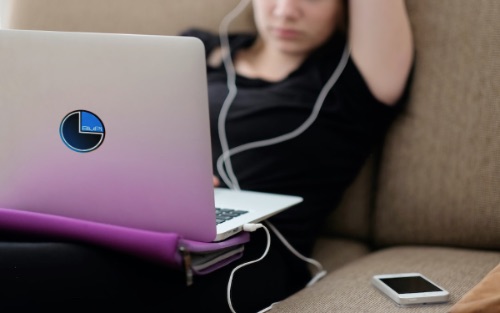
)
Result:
{"points": [[349, 289], [334, 253], [157, 17], [440, 174]]}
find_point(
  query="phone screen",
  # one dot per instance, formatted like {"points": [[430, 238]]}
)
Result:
{"points": [[412, 284]]}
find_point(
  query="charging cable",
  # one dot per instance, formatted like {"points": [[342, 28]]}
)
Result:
{"points": [[248, 228], [253, 227], [320, 271]]}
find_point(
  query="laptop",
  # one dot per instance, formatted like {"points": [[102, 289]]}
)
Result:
{"points": [[114, 128]]}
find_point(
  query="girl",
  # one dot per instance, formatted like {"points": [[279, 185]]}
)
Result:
{"points": [[313, 91]]}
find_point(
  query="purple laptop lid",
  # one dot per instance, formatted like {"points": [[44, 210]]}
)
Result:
{"points": [[107, 128]]}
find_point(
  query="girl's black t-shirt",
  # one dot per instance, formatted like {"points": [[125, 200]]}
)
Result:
{"points": [[319, 163]]}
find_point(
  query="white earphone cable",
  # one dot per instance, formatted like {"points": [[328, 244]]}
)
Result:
{"points": [[224, 165], [224, 161], [230, 178]]}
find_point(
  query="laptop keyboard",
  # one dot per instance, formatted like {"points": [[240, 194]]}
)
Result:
{"points": [[223, 214]]}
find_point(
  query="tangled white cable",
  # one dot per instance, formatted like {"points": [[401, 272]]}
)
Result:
{"points": [[224, 166], [251, 228]]}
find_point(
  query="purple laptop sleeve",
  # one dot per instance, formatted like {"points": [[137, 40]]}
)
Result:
{"points": [[169, 249]]}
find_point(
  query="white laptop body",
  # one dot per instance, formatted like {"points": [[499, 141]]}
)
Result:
{"points": [[114, 128]]}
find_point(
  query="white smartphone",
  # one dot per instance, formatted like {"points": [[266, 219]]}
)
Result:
{"points": [[410, 288]]}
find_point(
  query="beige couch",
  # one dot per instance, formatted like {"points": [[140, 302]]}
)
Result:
{"points": [[429, 201]]}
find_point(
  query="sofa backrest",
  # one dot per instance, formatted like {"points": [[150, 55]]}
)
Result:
{"points": [[440, 173], [157, 17]]}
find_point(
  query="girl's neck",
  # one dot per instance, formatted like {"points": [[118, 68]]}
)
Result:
{"points": [[265, 62]]}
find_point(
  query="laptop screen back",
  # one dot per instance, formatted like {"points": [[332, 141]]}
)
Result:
{"points": [[108, 128]]}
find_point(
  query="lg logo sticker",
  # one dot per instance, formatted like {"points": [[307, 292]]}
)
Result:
{"points": [[82, 131]]}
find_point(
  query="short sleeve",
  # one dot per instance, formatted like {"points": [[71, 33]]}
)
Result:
{"points": [[360, 101], [354, 84]]}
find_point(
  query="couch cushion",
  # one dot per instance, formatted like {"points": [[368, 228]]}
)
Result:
{"points": [[334, 253], [164, 17], [349, 289], [439, 181]]}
